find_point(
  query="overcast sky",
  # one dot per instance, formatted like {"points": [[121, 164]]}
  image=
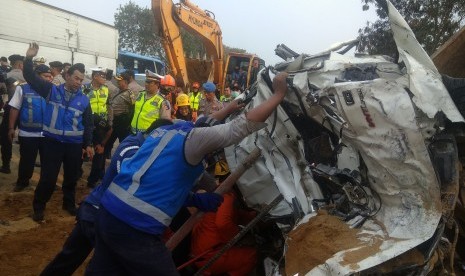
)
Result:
{"points": [[306, 26]]}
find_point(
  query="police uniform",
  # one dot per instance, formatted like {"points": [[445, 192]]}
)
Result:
{"points": [[148, 108], [57, 79], [67, 129]]}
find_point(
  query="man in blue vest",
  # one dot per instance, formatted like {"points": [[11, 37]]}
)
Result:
{"points": [[30, 108], [81, 241], [155, 183], [67, 129]]}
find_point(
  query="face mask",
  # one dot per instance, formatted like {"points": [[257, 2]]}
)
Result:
{"points": [[234, 94]]}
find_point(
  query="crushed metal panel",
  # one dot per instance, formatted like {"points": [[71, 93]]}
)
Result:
{"points": [[431, 95]]}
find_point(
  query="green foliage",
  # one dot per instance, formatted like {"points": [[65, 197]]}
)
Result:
{"points": [[136, 28], [432, 21], [138, 33]]}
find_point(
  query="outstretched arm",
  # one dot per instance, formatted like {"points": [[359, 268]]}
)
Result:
{"points": [[202, 141], [39, 85]]}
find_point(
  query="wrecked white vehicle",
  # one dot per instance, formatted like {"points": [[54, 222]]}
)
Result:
{"points": [[364, 152]]}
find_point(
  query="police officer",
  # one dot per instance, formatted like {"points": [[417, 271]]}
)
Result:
{"points": [[210, 103], [99, 102], [151, 103], [67, 129], [122, 107], [194, 99], [29, 106]]}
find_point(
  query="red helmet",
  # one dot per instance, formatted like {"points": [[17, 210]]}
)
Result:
{"points": [[168, 80], [196, 85]]}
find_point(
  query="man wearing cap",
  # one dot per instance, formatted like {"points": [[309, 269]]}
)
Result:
{"points": [[210, 103], [67, 129], [99, 102], [122, 107], [56, 67], [151, 103], [29, 106], [16, 72]]}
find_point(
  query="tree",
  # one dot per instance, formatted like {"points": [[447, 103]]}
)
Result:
{"points": [[136, 28], [432, 21]]}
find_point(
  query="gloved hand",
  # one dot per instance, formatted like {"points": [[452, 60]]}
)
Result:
{"points": [[206, 202]]}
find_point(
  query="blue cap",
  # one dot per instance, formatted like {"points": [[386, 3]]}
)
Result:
{"points": [[209, 87]]}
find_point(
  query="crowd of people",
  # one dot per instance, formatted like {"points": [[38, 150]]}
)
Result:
{"points": [[157, 172]]}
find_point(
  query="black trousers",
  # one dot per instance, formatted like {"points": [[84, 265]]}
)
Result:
{"points": [[77, 247], [56, 153], [121, 130], [98, 161], [5, 144], [28, 149]]}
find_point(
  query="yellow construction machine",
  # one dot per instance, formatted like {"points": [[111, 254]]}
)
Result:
{"points": [[169, 18]]}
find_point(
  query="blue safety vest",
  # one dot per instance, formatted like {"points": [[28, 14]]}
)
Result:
{"points": [[63, 119], [31, 114], [125, 150], [154, 184]]}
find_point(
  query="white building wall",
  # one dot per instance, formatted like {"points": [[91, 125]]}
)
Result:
{"points": [[62, 35]]}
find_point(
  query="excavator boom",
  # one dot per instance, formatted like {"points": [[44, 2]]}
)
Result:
{"points": [[170, 18]]}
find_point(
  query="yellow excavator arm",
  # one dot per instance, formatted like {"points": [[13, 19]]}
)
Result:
{"points": [[169, 17]]}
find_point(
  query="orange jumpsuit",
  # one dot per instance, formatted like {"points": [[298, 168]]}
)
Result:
{"points": [[214, 231]]}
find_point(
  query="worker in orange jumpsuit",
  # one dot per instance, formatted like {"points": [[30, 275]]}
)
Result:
{"points": [[214, 230]]}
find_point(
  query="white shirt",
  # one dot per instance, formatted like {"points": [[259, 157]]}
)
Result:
{"points": [[16, 103]]}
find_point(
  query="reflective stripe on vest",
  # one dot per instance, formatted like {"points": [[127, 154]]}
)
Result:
{"points": [[63, 119], [127, 196], [146, 111], [98, 100], [195, 100], [32, 110]]}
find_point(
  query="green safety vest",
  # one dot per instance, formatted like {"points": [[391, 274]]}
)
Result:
{"points": [[146, 111], [195, 100], [98, 100]]}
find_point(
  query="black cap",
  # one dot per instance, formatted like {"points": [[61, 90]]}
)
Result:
{"points": [[124, 76], [42, 68], [56, 64], [14, 58]]}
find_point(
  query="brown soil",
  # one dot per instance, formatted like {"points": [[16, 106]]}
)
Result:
{"points": [[312, 243], [26, 247], [198, 70]]}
